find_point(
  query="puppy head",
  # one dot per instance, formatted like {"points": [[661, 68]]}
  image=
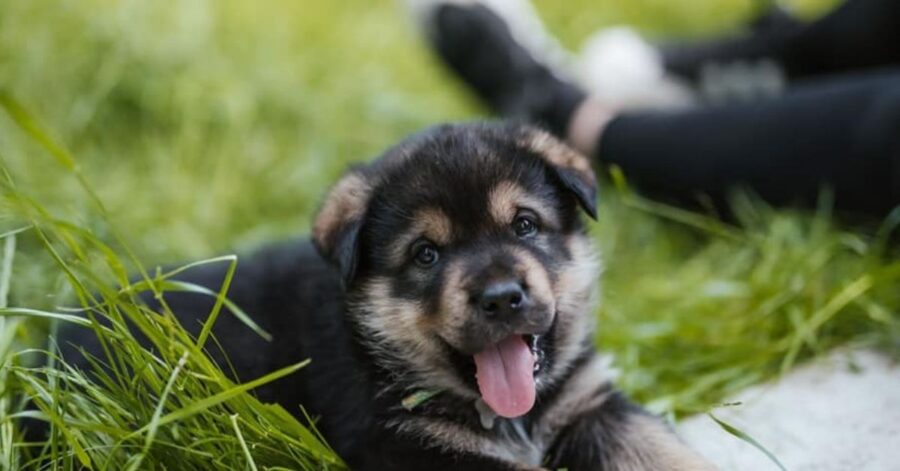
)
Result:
{"points": [[466, 262]]}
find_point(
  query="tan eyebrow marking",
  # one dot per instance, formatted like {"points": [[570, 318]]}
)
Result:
{"points": [[506, 198], [430, 223]]}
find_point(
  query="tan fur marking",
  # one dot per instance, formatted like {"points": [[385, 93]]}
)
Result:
{"points": [[450, 438], [506, 198], [577, 396], [577, 292], [454, 304], [556, 153], [431, 223], [435, 225], [646, 442], [395, 327], [536, 278], [346, 201], [652, 445]]}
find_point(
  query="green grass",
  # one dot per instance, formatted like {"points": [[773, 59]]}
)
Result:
{"points": [[183, 131]]}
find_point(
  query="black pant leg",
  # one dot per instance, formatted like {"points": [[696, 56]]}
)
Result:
{"points": [[858, 34], [840, 133]]}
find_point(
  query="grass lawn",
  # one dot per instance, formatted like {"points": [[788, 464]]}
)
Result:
{"points": [[137, 134]]}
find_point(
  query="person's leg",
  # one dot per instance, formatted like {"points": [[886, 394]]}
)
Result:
{"points": [[786, 148], [858, 34], [478, 46], [842, 134]]}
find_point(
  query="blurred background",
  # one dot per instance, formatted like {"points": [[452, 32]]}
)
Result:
{"points": [[212, 126]]}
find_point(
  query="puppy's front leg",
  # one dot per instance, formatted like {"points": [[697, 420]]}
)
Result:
{"points": [[620, 436], [399, 452]]}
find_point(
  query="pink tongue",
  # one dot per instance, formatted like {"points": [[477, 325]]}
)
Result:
{"points": [[505, 373]]}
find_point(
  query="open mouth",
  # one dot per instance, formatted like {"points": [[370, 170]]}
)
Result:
{"points": [[506, 373]]}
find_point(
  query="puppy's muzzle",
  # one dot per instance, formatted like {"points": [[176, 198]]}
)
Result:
{"points": [[507, 303]]}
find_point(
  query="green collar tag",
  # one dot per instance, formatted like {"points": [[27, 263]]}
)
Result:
{"points": [[417, 398]]}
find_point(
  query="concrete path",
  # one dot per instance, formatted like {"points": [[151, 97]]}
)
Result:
{"points": [[840, 413]]}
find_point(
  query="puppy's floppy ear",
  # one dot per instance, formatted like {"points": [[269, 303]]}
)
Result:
{"points": [[571, 167], [338, 224]]}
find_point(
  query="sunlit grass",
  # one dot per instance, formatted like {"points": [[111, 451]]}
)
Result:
{"points": [[692, 324], [179, 132], [139, 402]]}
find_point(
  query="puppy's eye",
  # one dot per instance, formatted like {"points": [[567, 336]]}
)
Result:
{"points": [[525, 225], [425, 254]]}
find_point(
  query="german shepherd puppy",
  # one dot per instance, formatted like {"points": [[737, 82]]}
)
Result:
{"points": [[447, 304]]}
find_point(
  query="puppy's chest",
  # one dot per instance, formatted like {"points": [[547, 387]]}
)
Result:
{"points": [[515, 440], [476, 430], [462, 426]]}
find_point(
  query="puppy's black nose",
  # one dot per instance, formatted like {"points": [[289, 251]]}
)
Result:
{"points": [[502, 299]]}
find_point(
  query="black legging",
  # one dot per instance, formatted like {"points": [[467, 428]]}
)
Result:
{"points": [[840, 131], [858, 34]]}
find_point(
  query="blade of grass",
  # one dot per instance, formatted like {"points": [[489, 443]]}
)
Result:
{"points": [[157, 413], [237, 431], [747, 438], [223, 396], [183, 286]]}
